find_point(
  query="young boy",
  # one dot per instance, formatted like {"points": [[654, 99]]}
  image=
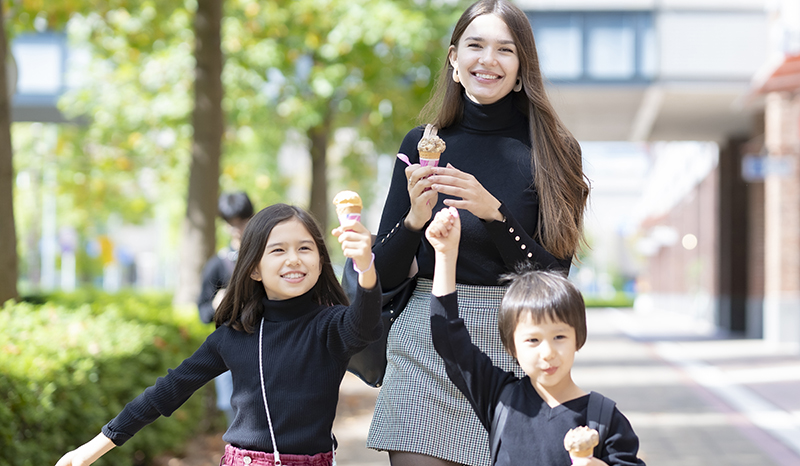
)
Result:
{"points": [[542, 324]]}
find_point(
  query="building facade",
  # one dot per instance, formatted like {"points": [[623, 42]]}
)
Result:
{"points": [[720, 240]]}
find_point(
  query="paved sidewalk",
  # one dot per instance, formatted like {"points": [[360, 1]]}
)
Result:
{"points": [[693, 398]]}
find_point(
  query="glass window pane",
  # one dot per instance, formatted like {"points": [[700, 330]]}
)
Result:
{"points": [[611, 48], [39, 66], [559, 42], [647, 57], [560, 52]]}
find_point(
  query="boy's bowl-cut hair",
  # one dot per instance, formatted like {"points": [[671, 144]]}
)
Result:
{"points": [[544, 296]]}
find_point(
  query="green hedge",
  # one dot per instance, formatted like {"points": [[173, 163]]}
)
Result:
{"points": [[70, 362], [618, 299]]}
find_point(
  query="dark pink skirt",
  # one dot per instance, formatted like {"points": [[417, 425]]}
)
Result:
{"points": [[238, 457]]}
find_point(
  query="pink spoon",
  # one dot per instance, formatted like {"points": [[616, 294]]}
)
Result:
{"points": [[404, 158]]}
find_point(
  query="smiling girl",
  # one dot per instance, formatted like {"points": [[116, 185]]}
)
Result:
{"points": [[285, 332]]}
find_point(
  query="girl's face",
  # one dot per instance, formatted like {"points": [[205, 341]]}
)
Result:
{"points": [[291, 263], [486, 59], [546, 352]]}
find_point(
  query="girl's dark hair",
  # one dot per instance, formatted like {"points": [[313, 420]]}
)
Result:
{"points": [[557, 166], [241, 307], [543, 296]]}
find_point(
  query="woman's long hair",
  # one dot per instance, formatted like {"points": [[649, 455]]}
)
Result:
{"points": [[558, 175], [241, 307]]}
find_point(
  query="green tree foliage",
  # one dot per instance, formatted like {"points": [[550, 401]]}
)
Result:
{"points": [[330, 64], [310, 66]]}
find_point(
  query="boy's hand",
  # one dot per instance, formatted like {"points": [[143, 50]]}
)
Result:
{"points": [[444, 231], [589, 461]]}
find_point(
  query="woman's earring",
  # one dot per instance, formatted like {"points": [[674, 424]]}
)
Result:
{"points": [[455, 75], [518, 85]]}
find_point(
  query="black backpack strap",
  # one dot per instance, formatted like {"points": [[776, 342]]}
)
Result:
{"points": [[598, 417], [498, 423]]}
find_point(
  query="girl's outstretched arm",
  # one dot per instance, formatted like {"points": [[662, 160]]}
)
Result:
{"points": [[87, 453], [444, 233], [356, 243]]}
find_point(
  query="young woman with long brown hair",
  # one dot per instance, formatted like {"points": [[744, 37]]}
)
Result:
{"points": [[515, 174]]}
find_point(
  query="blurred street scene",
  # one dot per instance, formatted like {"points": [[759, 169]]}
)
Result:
{"points": [[687, 111]]}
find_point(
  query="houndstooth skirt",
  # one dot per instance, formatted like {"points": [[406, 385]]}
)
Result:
{"points": [[419, 410]]}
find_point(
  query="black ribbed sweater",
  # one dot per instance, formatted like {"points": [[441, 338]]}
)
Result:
{"points": [[306, 347], [492, 142]]}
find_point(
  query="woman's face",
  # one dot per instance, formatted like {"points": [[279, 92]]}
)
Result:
{"points": [[486, 59]]}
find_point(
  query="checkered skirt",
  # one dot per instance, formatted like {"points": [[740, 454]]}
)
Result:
{"points": [[419, 410]]}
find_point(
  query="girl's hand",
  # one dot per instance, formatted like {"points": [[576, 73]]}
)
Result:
{"points": [[72, 459], [87, 453], [444, 232], [422, 197], [473, 196], [356, 243]]}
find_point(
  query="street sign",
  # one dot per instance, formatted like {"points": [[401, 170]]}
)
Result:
{"points": [[756, 167]]}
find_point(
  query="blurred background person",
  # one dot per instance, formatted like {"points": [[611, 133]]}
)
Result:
{"points": [[236, 209]]}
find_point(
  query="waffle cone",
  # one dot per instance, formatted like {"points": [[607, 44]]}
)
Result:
{"points": [[581, 453], [346, 209], [430, 155]]}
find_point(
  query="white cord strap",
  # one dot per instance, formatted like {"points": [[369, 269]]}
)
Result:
{"points": [[264, 394]]}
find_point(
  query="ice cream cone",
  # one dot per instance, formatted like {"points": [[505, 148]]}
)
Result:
{"points": [[348, 206], [430, 147], [580, 443]]}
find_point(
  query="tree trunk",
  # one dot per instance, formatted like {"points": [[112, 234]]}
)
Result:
{"points": [[8, 232], [198, 235], [319, 137]]}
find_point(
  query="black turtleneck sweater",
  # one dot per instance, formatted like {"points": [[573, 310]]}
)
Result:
{"points": [[306, 347], [492, 142]]}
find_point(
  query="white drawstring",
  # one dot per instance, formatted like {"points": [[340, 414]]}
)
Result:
{"points": [[266, 407], [264, 395]]}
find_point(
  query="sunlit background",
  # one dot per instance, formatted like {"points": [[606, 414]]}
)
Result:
{"points": [[685, 111], [688, 115]]}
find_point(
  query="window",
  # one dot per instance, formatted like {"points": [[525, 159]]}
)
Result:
{"points": [[595, 46]]}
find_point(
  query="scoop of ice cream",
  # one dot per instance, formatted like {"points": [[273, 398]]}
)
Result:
{"points": [[431, 145], [347, 200], [430, 141], [580, 441]]}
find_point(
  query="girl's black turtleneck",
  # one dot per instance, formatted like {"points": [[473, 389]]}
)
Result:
{"points": [[306, 347], [491, 142]]}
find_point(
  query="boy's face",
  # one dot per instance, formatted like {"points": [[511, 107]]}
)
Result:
{"points": [[236, 228], [546, 352]]}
